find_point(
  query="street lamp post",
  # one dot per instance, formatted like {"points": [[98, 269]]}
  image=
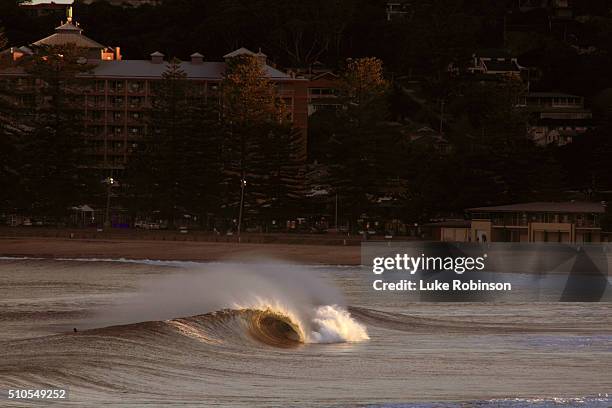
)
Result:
{"points": [[109, 183], [336, 213], [242, 186]]}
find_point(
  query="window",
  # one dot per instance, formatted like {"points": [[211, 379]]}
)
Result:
{"points": [[98, 130], [323, 91], [116, 86], [135, 101], [136, 86]]}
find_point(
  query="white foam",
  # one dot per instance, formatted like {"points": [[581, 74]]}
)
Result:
{"points": [[333, 324]]}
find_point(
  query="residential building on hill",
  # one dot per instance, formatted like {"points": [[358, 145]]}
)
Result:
{"points": [[40, 9], [562, 9], [397, 9], [495, 62], [323, 91], [556, 118]]}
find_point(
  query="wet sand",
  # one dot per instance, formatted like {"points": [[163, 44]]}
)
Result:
{"points": [[177, 250]]}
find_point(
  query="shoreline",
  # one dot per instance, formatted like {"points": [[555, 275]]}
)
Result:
{"points": [[133, 249], [177, 250]]}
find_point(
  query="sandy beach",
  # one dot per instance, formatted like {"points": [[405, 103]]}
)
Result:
{"points": [[176, 250]]}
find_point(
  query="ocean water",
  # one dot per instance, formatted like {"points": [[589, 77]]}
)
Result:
{"points": [[264, 334]]}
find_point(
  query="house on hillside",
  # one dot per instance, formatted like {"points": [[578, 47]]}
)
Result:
{"points": [[496, 63], [556, 118]]}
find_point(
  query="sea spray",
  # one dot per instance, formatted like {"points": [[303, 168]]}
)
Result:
{"points": [[307, 299]]}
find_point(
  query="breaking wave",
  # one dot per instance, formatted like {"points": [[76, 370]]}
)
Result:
{"points": [[268, 325], [276, 304], [321, 324]]}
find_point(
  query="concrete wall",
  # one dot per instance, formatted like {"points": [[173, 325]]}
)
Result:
{"points": [[480, 229], [448, 234]]}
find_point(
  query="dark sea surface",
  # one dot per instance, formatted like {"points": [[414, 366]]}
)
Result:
{"points": [[261, 334]]}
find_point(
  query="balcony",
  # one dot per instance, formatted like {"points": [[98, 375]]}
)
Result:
{"points": [[116, 89], [95, 119], [116, 120], [116, 136]]}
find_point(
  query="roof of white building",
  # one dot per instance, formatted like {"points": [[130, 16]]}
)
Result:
{"points": [[551, 95], [544, 207], [147, 69], [35, 2]]}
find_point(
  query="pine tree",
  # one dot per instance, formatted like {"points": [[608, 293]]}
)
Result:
{"points": [[44, 127], [201, 168], [283, 184], [3, 39], [260, 145], [11, 135], [362, 147]]}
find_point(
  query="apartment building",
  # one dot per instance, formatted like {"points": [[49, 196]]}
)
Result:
{"points": [[117, 92]]}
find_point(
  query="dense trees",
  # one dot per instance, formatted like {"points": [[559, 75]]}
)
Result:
{"points": [[42, 132], [196, 154], [361, 150], [3, 39], [377, 170]]}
